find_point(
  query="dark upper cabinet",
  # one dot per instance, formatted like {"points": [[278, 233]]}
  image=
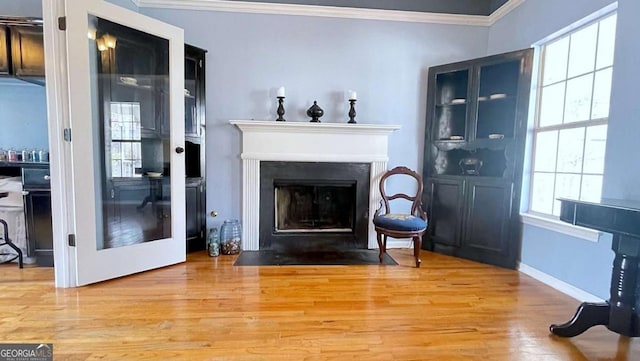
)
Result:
{"points": [[22, 52], [479, 100], [27, 51], [194, 91], [194, 112], [474, 153], [4, 50]]}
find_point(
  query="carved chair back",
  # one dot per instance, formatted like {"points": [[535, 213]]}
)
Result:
{"points": [[415, 200]]}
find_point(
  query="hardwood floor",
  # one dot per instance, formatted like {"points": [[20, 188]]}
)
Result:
{"points": [[207, 309]]}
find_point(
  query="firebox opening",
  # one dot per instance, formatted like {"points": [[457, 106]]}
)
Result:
{"points": [[314, 206], [308, 206]]}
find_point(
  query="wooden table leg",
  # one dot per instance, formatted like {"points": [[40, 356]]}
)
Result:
{"points": [[624, 314], [587, 316], [621, 313]]}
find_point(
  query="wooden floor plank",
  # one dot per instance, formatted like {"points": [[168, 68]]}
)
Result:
{"points": [[207, 309]]}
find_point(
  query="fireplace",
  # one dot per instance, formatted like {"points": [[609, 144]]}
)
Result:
{"points": [[346, 146], [314, 206]]}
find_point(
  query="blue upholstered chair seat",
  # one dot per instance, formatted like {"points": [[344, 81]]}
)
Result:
{"points": [[400, 222]]}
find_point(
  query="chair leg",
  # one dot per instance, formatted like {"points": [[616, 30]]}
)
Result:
{"points": [[384, 243], [417, 245], [380, 246]]}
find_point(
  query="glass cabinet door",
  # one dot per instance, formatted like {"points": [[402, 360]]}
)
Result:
{"points": [[191, 126], [451, 105], [497, 100]]}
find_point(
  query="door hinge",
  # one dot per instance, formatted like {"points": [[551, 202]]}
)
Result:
{"points": [[72, 240], [67, 134], [62, 23]]}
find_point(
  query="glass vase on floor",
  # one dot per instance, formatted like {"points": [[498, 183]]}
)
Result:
{"points": [[231, 237], [213, 242]]}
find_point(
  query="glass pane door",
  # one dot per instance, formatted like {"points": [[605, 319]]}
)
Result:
{"points": [[130, 89], [132, 146]]}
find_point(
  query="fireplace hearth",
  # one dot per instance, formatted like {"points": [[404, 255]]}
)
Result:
{"points": [[310, 206]]}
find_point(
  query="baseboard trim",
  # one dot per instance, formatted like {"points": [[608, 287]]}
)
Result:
{"points": [[399, 243], [559, 285]]}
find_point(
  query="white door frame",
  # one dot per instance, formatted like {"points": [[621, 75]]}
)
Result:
{"points": [[62, 207]]}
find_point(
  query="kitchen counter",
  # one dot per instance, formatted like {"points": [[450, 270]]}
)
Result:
{"points": [[5, 163]]}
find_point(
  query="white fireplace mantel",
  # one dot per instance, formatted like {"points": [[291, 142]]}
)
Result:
{"points": [[307, 142]]}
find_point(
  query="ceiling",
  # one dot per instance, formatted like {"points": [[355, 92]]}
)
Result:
{"points": [[462, 7]]}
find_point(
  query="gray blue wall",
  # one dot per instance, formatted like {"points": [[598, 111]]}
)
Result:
{"points": [[622, 170], [584, 264], [315, 58], [29, 8], [23, 115]]}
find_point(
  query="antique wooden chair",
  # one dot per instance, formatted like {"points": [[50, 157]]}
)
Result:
{"points": [[400, 225]]}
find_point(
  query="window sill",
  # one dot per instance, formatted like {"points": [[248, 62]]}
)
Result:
{"points": [[556, 225]]}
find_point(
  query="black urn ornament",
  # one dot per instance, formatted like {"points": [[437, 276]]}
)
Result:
{"points": [[315, 112]]}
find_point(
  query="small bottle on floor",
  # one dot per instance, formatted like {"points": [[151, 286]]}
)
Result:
{"points": [[213, 242]]}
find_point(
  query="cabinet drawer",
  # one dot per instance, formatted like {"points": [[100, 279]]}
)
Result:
{"points": [[35, 178]]}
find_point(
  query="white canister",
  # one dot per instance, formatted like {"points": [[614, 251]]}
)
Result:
{"points": [[43, 155]]}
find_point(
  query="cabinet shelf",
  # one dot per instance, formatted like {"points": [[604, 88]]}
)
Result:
{"points": [[134, 86], [487, 99], [451, 104], [450, 141], [477, 143]]}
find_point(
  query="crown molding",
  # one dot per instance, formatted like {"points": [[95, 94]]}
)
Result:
{"points": [[504, 10], [331, 11]]}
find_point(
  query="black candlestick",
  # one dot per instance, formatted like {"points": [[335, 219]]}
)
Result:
{"points": [[280, 110], [352, 112]]}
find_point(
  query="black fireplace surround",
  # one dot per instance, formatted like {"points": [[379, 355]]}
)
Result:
{"points": [[336, 219]]}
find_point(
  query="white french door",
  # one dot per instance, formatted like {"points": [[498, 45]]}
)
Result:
{"points": [[126, 110]]}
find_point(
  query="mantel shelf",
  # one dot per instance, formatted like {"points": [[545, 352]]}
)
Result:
{"points": [[308, 127]]}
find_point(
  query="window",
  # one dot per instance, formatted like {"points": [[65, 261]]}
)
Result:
{"points": [[126, 152], [572, 113]]}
